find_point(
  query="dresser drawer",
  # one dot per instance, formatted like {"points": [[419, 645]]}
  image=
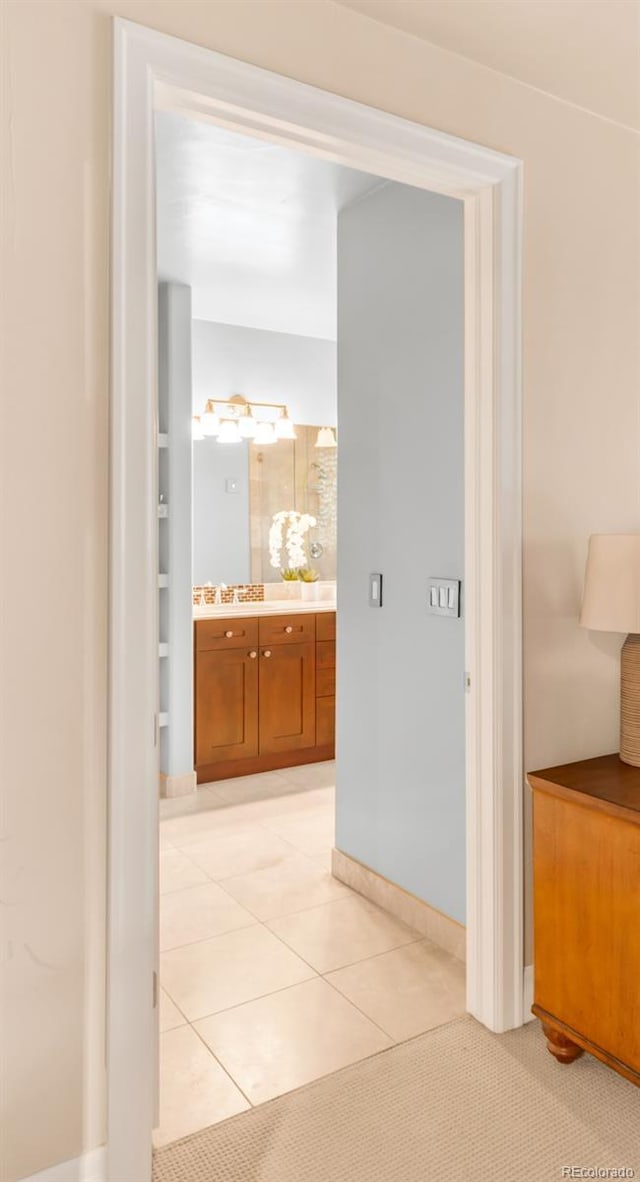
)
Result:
{"points": [[293, 629], [226, 633], [326, 626]]}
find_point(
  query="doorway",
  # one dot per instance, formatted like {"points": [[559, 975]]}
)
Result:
{"points": [[303, 284], [194, 80]]}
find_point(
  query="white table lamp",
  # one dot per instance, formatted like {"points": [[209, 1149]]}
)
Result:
{"points": [[612, 604]]}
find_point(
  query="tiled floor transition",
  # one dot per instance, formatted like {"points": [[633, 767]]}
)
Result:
{"points": [[272, 972]]}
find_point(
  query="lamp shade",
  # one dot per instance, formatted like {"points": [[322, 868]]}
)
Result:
{"points": [[265, 434], [284, 427], [229, 432], [611, 600], [325, 438]]}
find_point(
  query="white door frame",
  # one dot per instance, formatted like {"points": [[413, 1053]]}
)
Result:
{"points": [[154, 71]]}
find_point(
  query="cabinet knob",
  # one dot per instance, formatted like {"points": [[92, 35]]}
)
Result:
{"points": [[253, 654], [267, 652], [228, 635], [288, 628]]}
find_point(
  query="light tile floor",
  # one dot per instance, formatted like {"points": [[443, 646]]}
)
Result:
{"points": [[273, 973]]}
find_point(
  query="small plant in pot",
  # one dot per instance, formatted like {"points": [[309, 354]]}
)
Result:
{"points": [[308, 580]]}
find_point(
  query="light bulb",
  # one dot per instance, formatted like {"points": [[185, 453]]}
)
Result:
{"points": [[265, 434], [284, 426], [196, 428], [229, 432]]}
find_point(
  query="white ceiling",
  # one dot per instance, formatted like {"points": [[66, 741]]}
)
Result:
{"points": [[584, 51], [250, 226]]}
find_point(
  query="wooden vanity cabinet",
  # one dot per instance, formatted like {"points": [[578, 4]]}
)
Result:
{"points": [[287, 698], [264, 693], [326, 680], [226, 706]]}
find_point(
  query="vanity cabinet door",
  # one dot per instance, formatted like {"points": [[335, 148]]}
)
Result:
{"points": [[287, 697], [226, 698]]}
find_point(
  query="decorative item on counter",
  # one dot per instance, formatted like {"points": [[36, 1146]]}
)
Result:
{"points": [[308, 582], [297, 527], [290, 574]]}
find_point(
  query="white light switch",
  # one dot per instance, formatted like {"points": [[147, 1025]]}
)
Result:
{"points": [[375, 590], [232, 484], [443, 597]]}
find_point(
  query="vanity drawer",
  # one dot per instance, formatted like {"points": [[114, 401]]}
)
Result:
{"points": [[293, 629], [226, 633], [326, 654], [325, 682], [325, 721], [326, 626]]}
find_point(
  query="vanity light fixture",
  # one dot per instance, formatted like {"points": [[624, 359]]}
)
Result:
{"points": [[230, 420], [196, 428], [326, 438]]}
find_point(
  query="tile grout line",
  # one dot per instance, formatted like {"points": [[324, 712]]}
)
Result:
{"points": [[223, 1068]]}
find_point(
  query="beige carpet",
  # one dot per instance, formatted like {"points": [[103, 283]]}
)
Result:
{"points": [[454, 1104]]}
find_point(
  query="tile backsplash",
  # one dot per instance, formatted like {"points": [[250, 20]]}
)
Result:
{"points": [[247, 593]]}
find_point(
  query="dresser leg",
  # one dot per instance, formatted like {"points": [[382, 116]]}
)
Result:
{"points": [[561, 1047]]}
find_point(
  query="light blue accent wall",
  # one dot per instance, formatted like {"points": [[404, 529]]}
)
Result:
{"points": [[221, 541], [400, 723], [281, 367]]}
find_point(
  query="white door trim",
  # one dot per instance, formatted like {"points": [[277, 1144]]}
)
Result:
{"points": [[152, 70]]}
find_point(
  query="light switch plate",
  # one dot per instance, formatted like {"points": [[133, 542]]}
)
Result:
{"points": [[375, 590], [232, 484], [443, 596]]}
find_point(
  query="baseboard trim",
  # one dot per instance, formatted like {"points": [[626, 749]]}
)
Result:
{"points": [[89, 1167], [447, 933], [527, 994], [183, 785]]}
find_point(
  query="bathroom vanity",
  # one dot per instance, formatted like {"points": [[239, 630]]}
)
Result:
{"points": [[264, 687]]}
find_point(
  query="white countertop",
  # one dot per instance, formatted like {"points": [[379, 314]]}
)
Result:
{"points": [[269, 607]]}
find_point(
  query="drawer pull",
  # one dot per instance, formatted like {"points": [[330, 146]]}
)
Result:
{"points": [[253, 654], [288, 628], [267, 652], [228, 635]]}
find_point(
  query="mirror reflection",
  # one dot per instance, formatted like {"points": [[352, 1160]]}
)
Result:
{"points": [[240, 487]]}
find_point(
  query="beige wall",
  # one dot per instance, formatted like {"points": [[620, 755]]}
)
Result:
{"points": [[581, 382]]}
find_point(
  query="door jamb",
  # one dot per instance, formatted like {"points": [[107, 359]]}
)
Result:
{"points": [[154, 71]]}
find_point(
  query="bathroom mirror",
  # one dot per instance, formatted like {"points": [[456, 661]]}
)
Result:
{"points": [[237, 489]]}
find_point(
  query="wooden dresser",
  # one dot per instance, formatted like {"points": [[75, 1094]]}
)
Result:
{"points": [[586, 868]]}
